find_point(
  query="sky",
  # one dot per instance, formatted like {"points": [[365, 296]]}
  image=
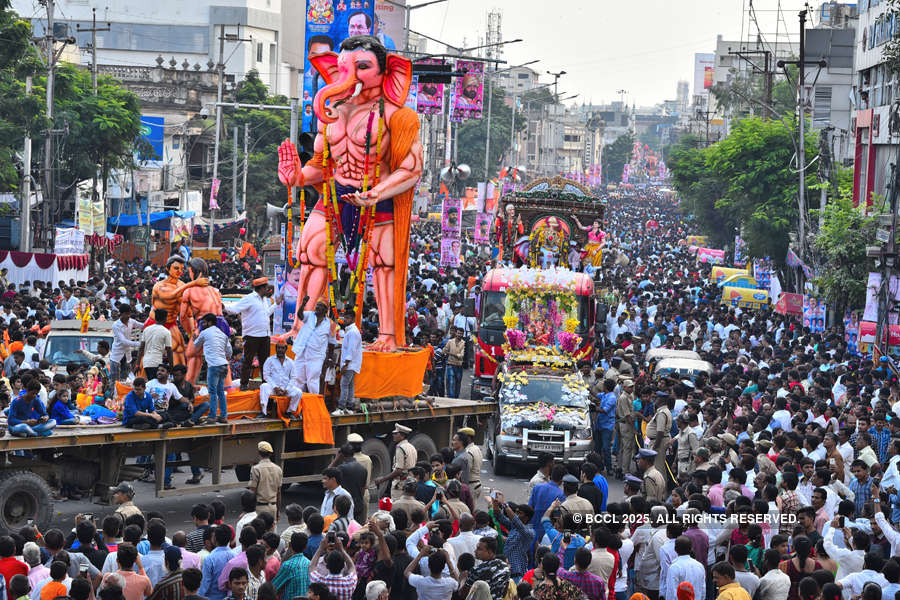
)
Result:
{"points": [[642, 46]]}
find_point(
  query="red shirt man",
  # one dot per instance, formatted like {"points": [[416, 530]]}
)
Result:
{"points": [[9, 565]]}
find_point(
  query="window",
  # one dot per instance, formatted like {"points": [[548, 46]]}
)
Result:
{"points": [[259, 52], [169, 39]]}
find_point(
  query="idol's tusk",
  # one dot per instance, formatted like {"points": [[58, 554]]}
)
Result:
{"points": [[357, 89]]}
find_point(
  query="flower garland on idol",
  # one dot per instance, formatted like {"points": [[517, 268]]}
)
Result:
{"points": [[362, 226]]}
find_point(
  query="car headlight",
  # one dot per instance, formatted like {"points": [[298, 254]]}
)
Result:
{"points": [[582, 434], [511, 431]]}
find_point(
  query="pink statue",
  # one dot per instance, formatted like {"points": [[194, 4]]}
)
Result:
{"points": [[364, 83]]}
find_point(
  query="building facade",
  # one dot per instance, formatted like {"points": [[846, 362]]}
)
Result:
{"points": [[181, 34]]}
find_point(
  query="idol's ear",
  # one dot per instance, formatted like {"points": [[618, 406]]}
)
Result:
{"points": [[326, 64], [397, 79]]}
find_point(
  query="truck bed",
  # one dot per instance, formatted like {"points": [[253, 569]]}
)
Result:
{"points": [[93, 435]]}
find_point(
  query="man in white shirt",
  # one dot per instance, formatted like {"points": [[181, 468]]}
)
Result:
{"points": [[351, 361], [256, 311], [66, 307], [466, 541], [852, 583], [684, 568], [311, 348], [775, 584], [277, 373], [120, 353], [849, 561], [156, 345], [163, 391]]}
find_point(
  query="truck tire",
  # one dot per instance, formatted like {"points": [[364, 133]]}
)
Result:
{"points": [[500, 466], [242, 472], [24, 495], [424, 445], [381, 458]]}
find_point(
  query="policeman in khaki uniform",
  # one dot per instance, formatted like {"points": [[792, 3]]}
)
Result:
{"points": [[123, 495], [473, 451], [654, 482], [659, 428], [357, 441], [405, 456], [265, 481]]}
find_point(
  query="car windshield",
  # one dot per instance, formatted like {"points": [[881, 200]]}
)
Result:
{"points": [[549, 390], [63, 349], [493, 307]]}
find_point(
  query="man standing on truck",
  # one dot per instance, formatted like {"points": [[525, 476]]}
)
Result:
{"points": [[156, 345], [255, 309], [405, 456], [265, 481], [120, 354]]}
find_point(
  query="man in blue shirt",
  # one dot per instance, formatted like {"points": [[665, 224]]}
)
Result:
{"points": [[27, 415], [560, 529], [605, 423], [139, 412], [544, 494], [214, 563]]}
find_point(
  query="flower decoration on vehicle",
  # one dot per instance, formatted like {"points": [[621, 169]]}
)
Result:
{"points": [[571, 325], [568, 342], [516, 339], [511, 321]]}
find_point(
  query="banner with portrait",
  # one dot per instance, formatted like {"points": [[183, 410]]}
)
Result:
{"points": [[413, 96], [430, 96], [468, 90], [450, 251], [482, 228], [451, 217], [873, 288], [389, 24], [328, 23], [851, 330], [813, 314]]}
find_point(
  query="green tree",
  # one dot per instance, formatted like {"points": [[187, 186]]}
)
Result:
{"points": [[267, 129], [472, 135], [616, 156], [745, 181], [21, 113], [841, 244]]}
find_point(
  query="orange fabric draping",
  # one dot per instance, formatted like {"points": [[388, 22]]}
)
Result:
{"points": [[404, 129], [316, 420], [387, 374]]}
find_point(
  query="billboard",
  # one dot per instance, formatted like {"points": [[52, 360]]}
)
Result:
{"points": [[152, 129], [468, 90], [704, 73], [328, 23], [389, 24], [430, 96]]}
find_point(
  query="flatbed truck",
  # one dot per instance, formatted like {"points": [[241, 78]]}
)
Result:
{"points": [[94, 457]]}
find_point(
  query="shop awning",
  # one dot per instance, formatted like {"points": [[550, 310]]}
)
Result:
{"points": [[141, 219]]}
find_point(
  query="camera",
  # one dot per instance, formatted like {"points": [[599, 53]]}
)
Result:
{"points": [[88, 516], [30, 522], [204, 113], [332, 537]]}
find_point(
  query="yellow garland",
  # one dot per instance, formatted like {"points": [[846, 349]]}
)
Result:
{"points": [[571, 324], [329, 239], [511, 321]]}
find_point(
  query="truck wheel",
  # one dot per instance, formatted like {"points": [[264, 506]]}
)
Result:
{"points": [[500, 466], [424, 445], [24, 495], [381, 458], [242, 472]]}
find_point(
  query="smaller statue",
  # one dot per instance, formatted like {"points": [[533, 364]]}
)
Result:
{"points": [[167, 294], [547, 244]]}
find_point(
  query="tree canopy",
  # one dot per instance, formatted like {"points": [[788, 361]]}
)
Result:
{"points": [[746, 182], [616, 156]]}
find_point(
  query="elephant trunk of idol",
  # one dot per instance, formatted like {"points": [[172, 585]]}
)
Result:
{"points": [[335, 92]]}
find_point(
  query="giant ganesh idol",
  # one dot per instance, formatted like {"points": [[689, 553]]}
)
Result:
{"points": [[367, 160]]}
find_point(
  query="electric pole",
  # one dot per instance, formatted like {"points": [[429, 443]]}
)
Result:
{"points": [[556, 77], [94, 29], [246, 161], [220, 71], [25, 233], [801, 155], [234, 174], [50, 40]]}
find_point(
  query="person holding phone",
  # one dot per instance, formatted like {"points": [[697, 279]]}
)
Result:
{"points": [[338, 572]]}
